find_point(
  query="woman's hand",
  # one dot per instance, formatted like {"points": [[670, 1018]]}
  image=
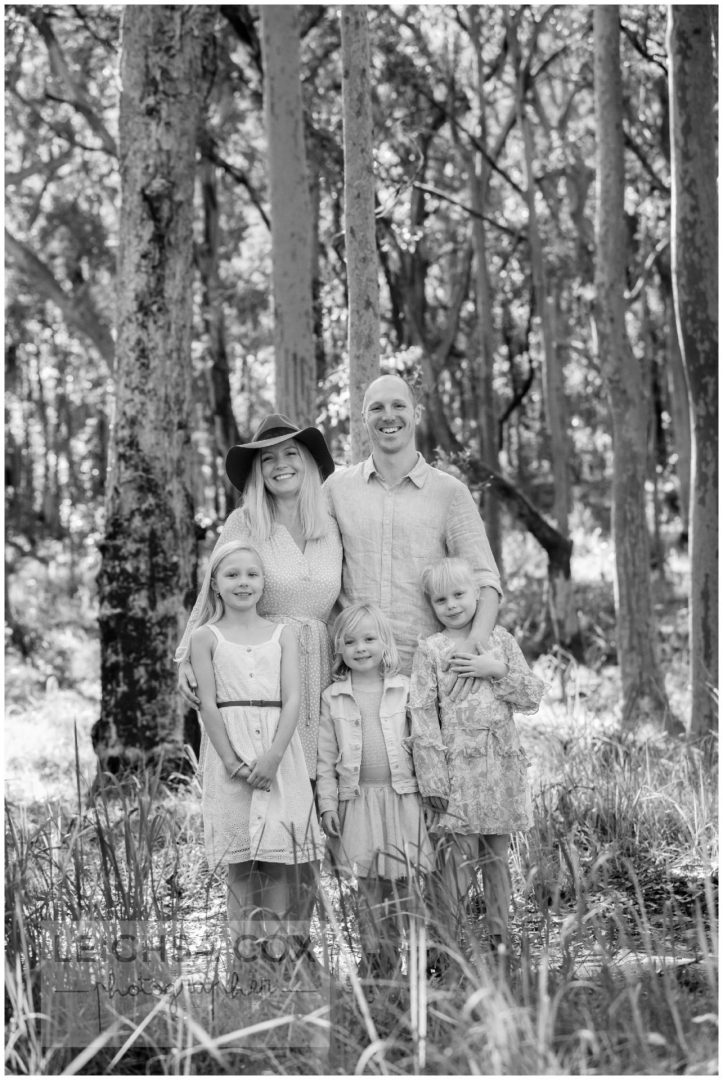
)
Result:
{"points": [[330, 823], [187, 684], [263, 770]]}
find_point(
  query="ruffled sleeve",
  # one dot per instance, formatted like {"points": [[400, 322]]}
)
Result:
{"points": [[234, 528], [519, 687], [428, 750]]}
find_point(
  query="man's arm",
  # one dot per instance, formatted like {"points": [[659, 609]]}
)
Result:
{"points": [[485, 617], [466, 538]]}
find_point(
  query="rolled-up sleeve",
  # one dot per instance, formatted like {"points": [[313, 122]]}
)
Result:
{"points": [[467, 539]]}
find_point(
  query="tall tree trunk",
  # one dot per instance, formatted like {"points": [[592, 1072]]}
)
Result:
{"points": [[555, 412], [681, 413], [695, 283], [642, 680], [224, 430], [295, 355], [678, 392], [479, 171], [361, 250], [147, 578]]}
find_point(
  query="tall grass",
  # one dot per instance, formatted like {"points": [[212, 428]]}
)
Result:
{"points": [[614, 934]]}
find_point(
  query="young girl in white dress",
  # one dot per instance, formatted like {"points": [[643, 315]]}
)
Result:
{"points": [[258, 808], [366, 791], [471, 768]]}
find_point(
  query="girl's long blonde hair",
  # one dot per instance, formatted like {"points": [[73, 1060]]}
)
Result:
{"points": [[212, 608], [349, 619], [258, 504]]}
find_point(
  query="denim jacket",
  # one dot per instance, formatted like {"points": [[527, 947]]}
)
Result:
{"points": [[340, 741]]}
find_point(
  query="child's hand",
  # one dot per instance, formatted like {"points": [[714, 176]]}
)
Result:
{"points": [[330, 823], [471, 665], [263, 770], [236, 768], [436, 802]]}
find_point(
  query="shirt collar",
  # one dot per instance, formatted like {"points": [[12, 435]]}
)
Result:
{"points": [[417, 474]]}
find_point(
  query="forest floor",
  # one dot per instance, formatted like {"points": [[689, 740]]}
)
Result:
{"points": [[614, 931]]}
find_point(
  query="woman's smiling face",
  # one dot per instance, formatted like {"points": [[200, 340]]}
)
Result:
{"points": [[282, 468]]}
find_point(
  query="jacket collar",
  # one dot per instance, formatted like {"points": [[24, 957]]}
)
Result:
{"points": [[343, 686]]}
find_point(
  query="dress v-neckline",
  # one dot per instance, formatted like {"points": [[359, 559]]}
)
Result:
{"points": [[302, 551]]}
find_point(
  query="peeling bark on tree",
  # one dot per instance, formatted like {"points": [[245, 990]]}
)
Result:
{"points": [[695, 283], [147, 578], [361, 249], [642, 682], [295, 353]]}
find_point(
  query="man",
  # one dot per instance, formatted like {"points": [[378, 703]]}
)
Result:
{"points": [[396, 514]]}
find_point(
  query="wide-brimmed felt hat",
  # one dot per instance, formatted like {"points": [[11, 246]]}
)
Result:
{"points": [[276, 429]]}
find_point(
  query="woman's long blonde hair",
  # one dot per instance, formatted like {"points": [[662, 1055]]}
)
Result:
{"points": [[212, 607], [258, 504]]}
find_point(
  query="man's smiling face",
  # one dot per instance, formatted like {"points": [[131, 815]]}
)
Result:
{"points": [[390, 414]]}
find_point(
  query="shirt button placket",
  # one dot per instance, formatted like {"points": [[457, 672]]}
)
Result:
{"points": [[385, 598]]}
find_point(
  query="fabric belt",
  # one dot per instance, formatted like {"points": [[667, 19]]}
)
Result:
{"points": [[252, 701]]}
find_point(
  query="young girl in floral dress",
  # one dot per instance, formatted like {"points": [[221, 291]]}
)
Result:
{"points": [[470, 766]]}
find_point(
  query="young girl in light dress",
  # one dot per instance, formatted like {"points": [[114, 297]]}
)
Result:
{"points": [[258, 808], [366, 790], [470, 766]]}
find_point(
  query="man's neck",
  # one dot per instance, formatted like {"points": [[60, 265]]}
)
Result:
{"points": [[392, 467]]}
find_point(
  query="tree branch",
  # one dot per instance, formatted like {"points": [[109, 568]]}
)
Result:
{"points": [[76, 94], [76, 308]]}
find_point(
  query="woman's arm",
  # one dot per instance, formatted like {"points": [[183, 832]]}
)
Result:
{"points": [[202, 645], [263, 769], [234, 528]]}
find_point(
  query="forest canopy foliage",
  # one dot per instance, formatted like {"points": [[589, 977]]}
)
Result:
{"points": [[484, 170]]}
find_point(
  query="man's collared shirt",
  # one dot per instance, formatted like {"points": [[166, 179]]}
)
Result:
{"points": [[389, 535]]}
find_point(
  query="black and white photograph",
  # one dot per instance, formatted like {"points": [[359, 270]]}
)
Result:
{"points": [[361, 539]]}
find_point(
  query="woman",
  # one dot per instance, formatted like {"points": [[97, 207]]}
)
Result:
{"points": [[284, 514]]}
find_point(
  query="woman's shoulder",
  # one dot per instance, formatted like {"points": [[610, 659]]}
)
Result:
{"points": [[236, 526]]}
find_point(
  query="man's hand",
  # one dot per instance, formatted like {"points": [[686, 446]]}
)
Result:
{"points": [[330, 823], [187, 684]]}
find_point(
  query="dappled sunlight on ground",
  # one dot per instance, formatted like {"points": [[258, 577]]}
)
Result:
{"points": [[40, 746]]}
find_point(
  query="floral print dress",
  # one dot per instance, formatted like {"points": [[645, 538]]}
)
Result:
{"points": [[469, 752]]}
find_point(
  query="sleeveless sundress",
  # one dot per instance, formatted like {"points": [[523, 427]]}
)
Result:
{"points": [[239, 822]]}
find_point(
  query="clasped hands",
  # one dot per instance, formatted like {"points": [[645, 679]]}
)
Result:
{"points": [[469, 663], [259, 773]]}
